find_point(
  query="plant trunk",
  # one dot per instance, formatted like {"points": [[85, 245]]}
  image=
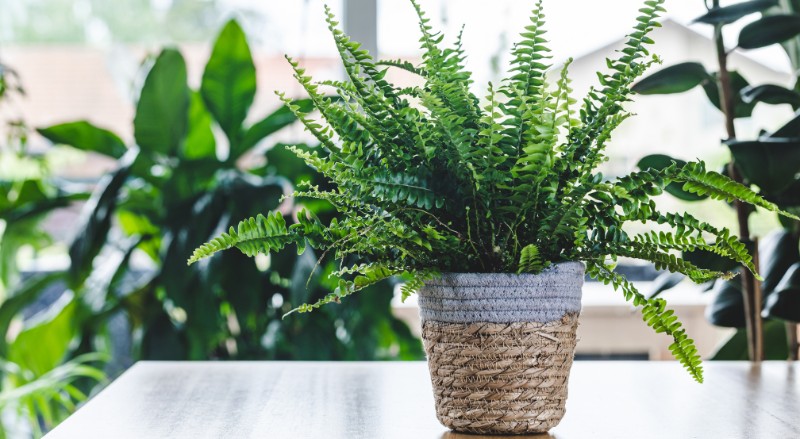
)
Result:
{"points": [[750, 286], [794, 345]]}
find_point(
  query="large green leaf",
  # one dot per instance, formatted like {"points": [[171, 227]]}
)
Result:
{"points": [[673, 79], [280, 118], [729, 14], [199, 142], [162, 111], [22, 296], [769, 30], [229, 82], [738, 83], [727, 307], [792, 45], [661, 161], [85, 136], [770, 163], [777, 251], [46, 338], [96, 220], [771, 94], [784, 302]]}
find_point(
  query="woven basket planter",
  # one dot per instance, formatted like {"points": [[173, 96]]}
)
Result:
{"points": [[500, 347]]}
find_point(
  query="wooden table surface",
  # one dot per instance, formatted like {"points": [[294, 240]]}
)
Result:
{"points": [[640, 400]]}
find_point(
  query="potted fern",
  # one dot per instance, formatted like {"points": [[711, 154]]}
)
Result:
{"points": [[493, 211]]}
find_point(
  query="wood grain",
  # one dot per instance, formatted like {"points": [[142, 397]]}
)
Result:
{"points": [[393, 400]]}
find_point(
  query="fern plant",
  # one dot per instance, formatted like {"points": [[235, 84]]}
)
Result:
{"points": [[432, 179]]}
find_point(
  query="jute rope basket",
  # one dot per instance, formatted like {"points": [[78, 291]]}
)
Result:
{"points": [[500, 348]]}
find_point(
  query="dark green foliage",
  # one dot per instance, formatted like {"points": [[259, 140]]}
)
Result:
{"points": [[442, 183], [174, 190]]}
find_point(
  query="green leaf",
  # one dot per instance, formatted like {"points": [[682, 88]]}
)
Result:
{"points": [[199, 141], [96, 220], [162, 111], [229, 82], [738, 83], [673, 79], [771, 164], [778, 251], [727, 307], [85, 136], [46, 338], [21, 297], [280, 118], [662, 161], [729, 14], [769, 30], [770, 94], [784, 302]]}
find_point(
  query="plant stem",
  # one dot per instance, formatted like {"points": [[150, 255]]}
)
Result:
{"points": [[750, 289], [794, 345]]}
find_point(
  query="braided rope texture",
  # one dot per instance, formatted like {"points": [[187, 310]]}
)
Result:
{"points": [[500, 378], [503, 297]]}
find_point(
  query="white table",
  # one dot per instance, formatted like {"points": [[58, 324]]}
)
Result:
{"points": [[642, 400]]}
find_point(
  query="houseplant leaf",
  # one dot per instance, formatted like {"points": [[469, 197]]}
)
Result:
{"points": [[661, 161], [769, 30], [784, 302], [738, 83], [778, 251], [96, 220], [85, 136], [727, 307], [729, 14], [229, 83], [771, 164], [199, 142], [162, 111], [673, 79], [280, 118], [46, 338], [770, 94]]}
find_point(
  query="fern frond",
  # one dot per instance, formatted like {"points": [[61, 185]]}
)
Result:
{"points": [[655, 314], [263, 234], [701, 182], [367, 274], [530, 261]]}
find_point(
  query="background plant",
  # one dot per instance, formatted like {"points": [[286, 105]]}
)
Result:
{"points": [[771, 163], [42, 377], [127, 292], [431, 179]]}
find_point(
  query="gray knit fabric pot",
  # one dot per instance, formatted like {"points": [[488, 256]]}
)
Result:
{"points": [[500, 347]]}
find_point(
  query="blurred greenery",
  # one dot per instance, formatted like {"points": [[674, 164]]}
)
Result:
{"points": [[187, 176], [40, 380]]}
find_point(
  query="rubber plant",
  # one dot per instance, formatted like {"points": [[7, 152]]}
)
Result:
{"points": [[771, 163], [490, 209]]}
